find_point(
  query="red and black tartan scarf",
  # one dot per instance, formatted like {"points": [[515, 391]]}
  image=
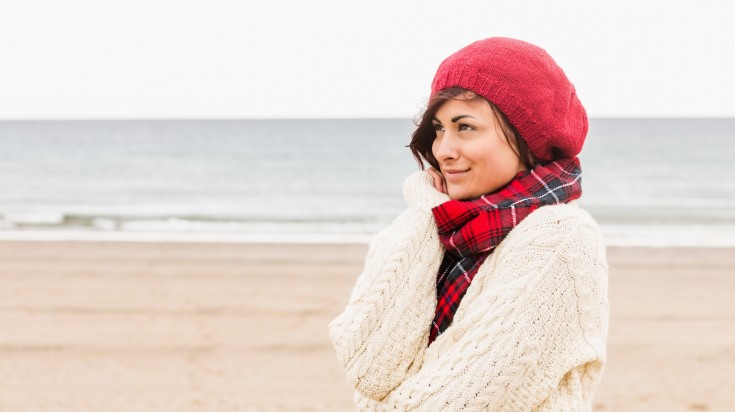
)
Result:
{"points": [[470, 230]]}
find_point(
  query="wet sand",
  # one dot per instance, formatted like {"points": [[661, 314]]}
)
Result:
{"points": [[243, 327]]}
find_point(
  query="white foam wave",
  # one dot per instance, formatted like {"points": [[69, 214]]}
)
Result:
{"points": [[669, 235], [614, 235], [34, 218], [276, 238]]}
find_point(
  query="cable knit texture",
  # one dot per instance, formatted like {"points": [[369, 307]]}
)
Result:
{"points": [[530, 333]]}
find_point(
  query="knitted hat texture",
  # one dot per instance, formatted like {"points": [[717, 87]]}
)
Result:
{"points": [[527, 86]]}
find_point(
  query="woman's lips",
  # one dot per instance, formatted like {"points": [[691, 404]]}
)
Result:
{"points": [[454, 174]]}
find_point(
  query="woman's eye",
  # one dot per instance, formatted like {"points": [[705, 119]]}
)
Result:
{"points": [[438, 127], [465, 127]]}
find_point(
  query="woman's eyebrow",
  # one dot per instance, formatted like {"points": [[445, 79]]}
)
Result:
{"points": [[454, 119]]}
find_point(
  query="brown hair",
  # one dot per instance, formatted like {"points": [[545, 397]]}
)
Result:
{"points": [[424, 135]]}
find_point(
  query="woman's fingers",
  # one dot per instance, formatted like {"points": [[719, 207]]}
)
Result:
{"points": [[439, 183]]}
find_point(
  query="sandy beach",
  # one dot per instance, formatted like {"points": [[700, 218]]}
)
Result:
{"points": [[243, 327]]}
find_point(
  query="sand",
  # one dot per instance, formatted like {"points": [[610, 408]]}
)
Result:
{"points": [[241, 327]]}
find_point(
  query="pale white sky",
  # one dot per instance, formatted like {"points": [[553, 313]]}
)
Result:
{"points": [[319, 58]]}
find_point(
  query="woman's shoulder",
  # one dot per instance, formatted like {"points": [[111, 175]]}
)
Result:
{"points": [[571, 212], [552, 226], [558, 219], [552, 244]]}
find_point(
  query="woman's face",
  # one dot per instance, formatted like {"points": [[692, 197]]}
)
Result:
{"points": [[474, 156]]}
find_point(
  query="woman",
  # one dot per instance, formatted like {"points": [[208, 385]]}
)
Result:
{"points": [[489, 292]]}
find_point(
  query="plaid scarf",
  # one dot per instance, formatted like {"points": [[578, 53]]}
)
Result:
{"points": [[470, 230]]}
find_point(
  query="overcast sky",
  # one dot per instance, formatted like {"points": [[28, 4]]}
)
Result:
{"points": [[318, 58]]}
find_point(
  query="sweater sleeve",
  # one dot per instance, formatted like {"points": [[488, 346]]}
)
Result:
{"points": [[536, 340], [381, 335]]}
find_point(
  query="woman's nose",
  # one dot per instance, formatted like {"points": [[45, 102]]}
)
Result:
{"points": [[446, 148]]}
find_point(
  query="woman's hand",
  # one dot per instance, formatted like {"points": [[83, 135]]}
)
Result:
{"points": [[439, 183]]}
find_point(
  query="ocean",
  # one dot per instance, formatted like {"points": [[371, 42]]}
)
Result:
{"points": [[658, 182]]}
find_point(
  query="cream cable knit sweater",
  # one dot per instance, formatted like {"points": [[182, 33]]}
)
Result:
{"points": [[530, 334]]}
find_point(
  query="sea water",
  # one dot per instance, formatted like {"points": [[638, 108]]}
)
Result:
{"points": [[646, 181]]}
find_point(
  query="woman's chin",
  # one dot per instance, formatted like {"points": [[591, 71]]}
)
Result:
{"points": [[456, 193]]}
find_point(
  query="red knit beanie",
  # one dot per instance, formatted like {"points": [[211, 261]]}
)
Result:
{"points": [[527, 86]]}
